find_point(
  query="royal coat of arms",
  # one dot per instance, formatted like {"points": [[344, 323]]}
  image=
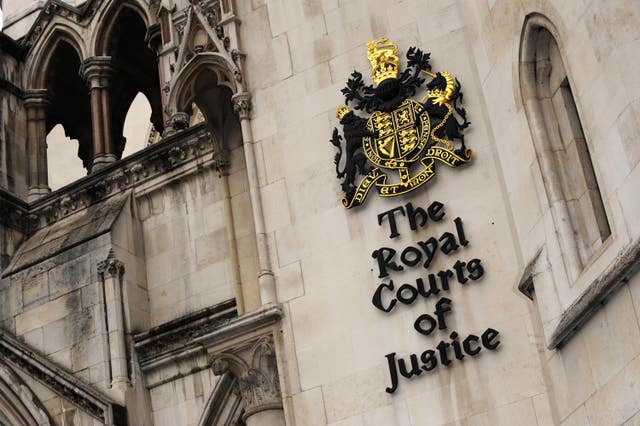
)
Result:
{"points": [[401, 134]]}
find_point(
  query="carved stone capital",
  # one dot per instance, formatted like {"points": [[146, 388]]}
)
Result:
{"points": [[35, 101], [111, 267], [258, 379], [96, 71], [242, 104]]}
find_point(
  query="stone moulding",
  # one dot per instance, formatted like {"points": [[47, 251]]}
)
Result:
{"points": [[256, 373], [179, 333], [190, 145], [61, 382], [625, 265], [200, 350], [79, 15]]}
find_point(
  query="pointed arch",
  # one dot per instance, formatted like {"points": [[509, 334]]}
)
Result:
{"points": [[134, 64], [39, 60], [571, 184], [68, 96], [207, 81], [183, 87], [108, 16], [18, 404]]}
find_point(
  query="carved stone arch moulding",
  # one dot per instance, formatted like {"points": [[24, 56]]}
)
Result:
{"points": [[224, 405], [107, 16], [42, 52], [181, 92], [18, 404]]}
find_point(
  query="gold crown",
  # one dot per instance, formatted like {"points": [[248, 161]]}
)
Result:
{"points": [[383, 55], [342, 111]]}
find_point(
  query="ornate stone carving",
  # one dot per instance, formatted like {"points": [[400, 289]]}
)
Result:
{"points": [[211, 11], [111, 267], [258, 379], [57, 8], [178, 122], [242, 105], [178, 334]]}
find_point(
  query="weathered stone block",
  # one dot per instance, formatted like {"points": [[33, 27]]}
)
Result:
{"points": [[69, 276], [56, 336], [35, 289], [47, 313]]}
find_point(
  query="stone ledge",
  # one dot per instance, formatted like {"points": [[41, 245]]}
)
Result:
{"points": [[194, 355], [65, 234], [178, 333], [189, 146], [60, 381], [625, 265]]}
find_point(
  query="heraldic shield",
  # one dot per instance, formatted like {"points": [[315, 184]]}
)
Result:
{"points": [[401, 134]]}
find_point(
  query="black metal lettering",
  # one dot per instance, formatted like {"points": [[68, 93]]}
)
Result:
{"points": [[393, 373], [461, 238], [459, 267], [442, 306], [487, 339], [418, 324], [384, 255], [413, 214], [377, 297], [449, 243], [390, 214], [475, 269], [435, 211], [429, 247]]}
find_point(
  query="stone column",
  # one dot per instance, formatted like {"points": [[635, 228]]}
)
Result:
{"points": [[155, 42], [35, 102], [96, 72], [112, 271], [242, 107], [231, 238]]}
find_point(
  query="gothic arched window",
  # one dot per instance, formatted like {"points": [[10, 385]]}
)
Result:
{"points": [[569, 177]]}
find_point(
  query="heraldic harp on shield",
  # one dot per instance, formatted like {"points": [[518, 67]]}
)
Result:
{"points": [[401, 134]]}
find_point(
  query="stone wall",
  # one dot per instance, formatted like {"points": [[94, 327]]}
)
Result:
{"points": [[598, 44], [176, 226], [334, 339], [187, 249], [182, 401]]}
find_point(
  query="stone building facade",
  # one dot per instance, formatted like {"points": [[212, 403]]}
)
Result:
{"points": [[215, 278]]}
